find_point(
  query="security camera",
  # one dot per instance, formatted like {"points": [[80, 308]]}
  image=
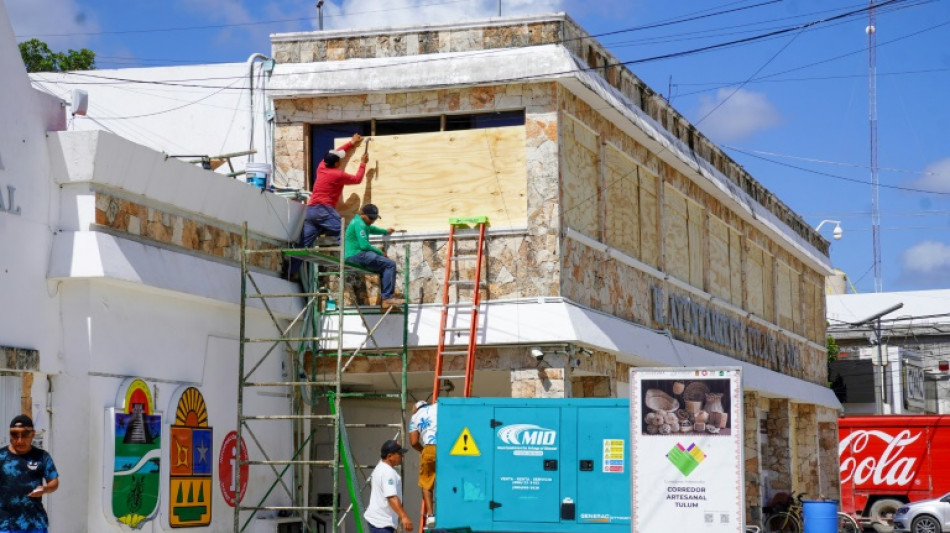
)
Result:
{"points": [[537, 353], [837, 233]]}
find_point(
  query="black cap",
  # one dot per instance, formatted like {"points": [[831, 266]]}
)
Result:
{"points": [[371, 211], [21, 421], [391, 446]]}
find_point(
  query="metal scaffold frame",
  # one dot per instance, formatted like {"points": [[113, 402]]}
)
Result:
{"points": [[314, 334]]}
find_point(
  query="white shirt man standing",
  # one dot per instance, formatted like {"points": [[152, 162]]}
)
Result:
{"points": [[385, 511]]}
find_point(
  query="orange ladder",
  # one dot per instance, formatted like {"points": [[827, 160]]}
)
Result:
{"points": [[472, 330]]}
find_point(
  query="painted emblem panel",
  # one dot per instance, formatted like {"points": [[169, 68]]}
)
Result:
{"points": [[137, 459], [191, 466]]}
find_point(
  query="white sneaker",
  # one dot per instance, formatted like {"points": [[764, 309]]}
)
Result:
{"points": [[430, 521]]}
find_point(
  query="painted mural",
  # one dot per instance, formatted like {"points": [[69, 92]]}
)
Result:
{"points": [[190, 463], [137, 445]]}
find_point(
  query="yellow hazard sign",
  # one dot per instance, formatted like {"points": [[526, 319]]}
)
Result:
{"points": [[465, 444]]}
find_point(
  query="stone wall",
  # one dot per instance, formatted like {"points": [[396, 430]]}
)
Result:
{"points": [[753, 473], [805, 455], [830, 483], [557, 29], [777, 453], [591, 278], [163, 225]]}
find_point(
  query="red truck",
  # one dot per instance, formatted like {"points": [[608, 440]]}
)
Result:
{"points": [[890, 460]]}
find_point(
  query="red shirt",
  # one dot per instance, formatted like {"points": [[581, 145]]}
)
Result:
{"points": [[328, 187]]}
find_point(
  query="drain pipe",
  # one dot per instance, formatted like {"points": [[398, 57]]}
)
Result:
{"points": [[256, 56]]}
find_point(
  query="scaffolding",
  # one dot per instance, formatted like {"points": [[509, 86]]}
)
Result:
{"points": [[314, 350]]}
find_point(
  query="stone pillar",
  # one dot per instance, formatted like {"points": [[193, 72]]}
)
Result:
{"points": [[593, 387], [806, 450], [753, 472], [546, 382], [777, 451], [828, 468]]}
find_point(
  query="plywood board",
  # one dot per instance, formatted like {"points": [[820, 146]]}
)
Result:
{"points": [[720, 279], [755, 279], [696, 224], [580, 171], [419, 181], [783, 293], [675, 234], [735, 265], [649, 217], [622, 217]]}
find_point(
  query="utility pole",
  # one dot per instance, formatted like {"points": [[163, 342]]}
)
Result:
{"points": [[871, 31], [875, 322], [320, 15]]}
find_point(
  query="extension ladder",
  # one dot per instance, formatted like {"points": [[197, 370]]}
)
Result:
{"points": [[446, 347]]}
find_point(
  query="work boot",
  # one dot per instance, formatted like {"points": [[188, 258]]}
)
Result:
{"points": [[326, 241], [392, 303]]}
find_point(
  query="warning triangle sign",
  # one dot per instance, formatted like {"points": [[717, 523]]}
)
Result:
{"points": [[465, 444]]}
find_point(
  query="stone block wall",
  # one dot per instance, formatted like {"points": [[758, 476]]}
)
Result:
{"points": [[188, 232], [753, 473], [830, 483], [777, 455], [807, 471]]}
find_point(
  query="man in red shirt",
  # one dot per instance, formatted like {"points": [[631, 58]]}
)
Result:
{"points": [[322, 217]]}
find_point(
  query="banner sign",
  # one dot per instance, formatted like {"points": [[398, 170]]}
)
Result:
{"points": [[686, 439]]}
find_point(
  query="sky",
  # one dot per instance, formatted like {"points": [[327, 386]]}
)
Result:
{"points": [[790, 103]]}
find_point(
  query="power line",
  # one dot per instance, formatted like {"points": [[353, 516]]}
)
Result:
{"points": [[851, 13], [842, 178], [827, 162]]}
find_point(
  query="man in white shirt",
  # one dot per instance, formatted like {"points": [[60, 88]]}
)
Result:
{"points": [[385, 511], [422, 429]]}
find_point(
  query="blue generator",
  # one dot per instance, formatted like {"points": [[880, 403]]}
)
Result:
{"points": [[511, 464]]}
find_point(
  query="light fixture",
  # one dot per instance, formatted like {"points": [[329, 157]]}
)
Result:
{"points": [[837, 233]]}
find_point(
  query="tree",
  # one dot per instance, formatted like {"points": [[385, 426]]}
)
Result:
{"points": [[38, 57]]}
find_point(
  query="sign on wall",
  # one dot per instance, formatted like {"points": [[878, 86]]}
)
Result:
{"points": [[686, 440], [227, 460], [190, 463], [137, 442]]}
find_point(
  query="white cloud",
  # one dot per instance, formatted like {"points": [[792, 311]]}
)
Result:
{"points": [[739, 116], [352, 14], [936, 177], [926, 265], [43, 17]]}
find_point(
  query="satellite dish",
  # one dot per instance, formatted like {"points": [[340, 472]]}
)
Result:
{"points": [[80, 102]]}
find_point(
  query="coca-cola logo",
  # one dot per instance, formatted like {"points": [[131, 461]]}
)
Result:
{"points": [[876, 456]]}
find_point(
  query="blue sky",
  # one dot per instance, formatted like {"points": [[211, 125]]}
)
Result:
{"points": [[791, 108]]}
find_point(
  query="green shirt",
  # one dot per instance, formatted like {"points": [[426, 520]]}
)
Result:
{"points": [[357, 237]]}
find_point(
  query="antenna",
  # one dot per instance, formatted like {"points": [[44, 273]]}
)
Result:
{"points": [[871, 30]]}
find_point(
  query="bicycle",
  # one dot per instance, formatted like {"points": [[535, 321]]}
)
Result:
{"points": [[792, 519]]}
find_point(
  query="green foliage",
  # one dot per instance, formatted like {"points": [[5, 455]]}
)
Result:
{"points": [[38, 57], [832, 348]]}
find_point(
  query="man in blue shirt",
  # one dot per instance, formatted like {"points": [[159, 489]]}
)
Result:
{"points": [[26, 474], [360, 252]]}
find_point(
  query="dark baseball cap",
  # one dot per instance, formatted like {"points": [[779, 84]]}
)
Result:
{"points": [[391, 446], [21, 421], [371, 211]]}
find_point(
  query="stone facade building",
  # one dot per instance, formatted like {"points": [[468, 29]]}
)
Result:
{"points": [[620, 235]]}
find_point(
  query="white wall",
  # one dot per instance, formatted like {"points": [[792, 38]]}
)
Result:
{"points": [[181, 110]]}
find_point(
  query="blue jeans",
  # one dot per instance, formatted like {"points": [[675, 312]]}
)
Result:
{"points": [[374, 529], [319, 219], [380, 264]]}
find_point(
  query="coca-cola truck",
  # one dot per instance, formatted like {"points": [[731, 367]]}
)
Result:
{"points": [[890, 460]]}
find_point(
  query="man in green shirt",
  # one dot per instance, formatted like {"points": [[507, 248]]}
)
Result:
{"points": [[360, 252]]}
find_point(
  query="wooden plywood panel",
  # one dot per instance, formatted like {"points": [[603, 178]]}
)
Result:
{"points": [[696, 225], [795, 286], [755, 279], [783, 296], [580, 172], [649, 215], [420, 180], [720, 276], [735, 265], [623, 215], [675, 234]]}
